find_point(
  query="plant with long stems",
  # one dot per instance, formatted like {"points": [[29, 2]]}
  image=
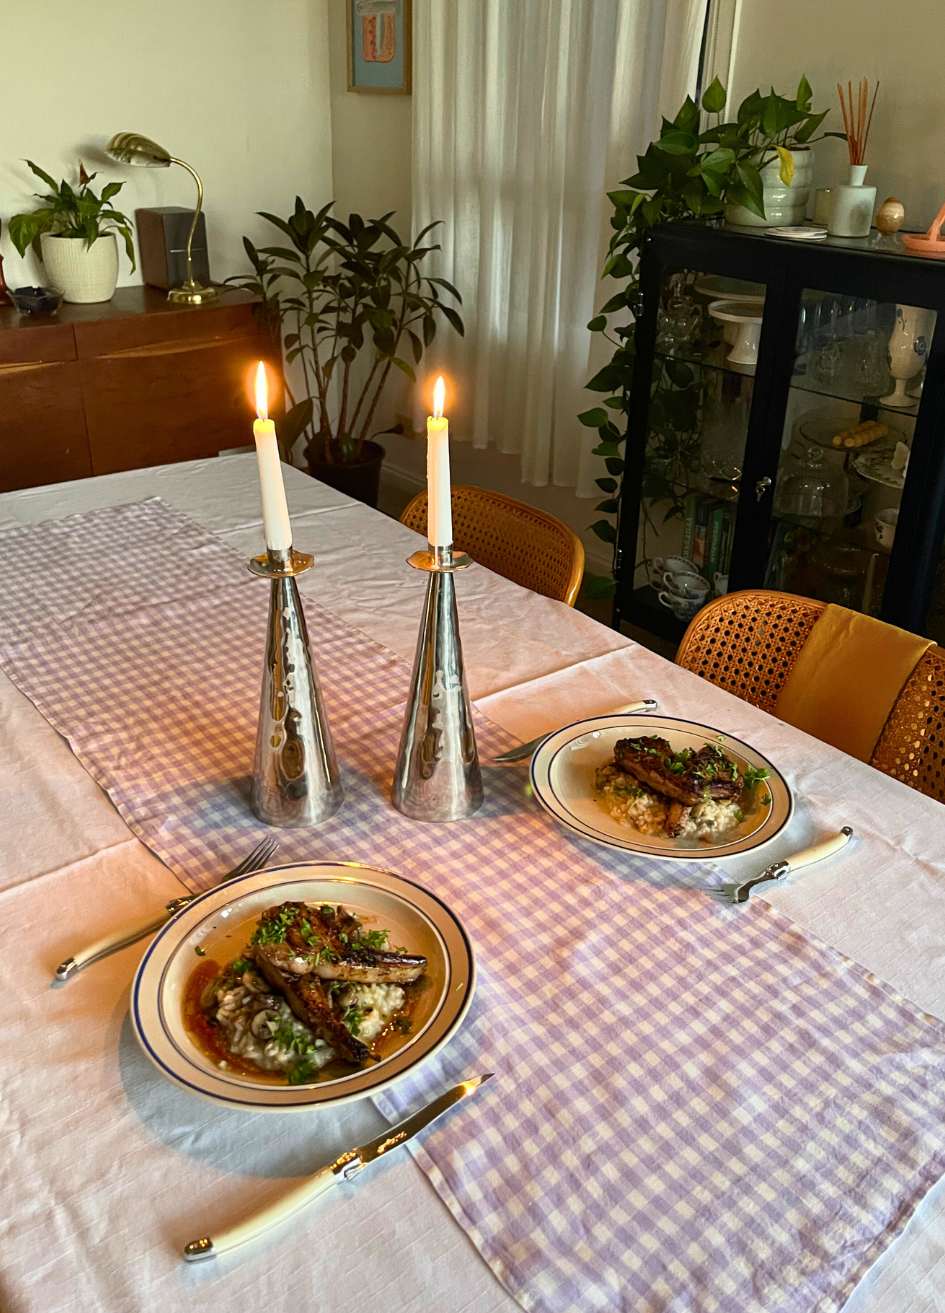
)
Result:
{"points": [[692, 171], [340, 290], [71, 211]]}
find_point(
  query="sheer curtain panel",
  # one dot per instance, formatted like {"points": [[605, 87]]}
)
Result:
{"points": [[525, 112]]}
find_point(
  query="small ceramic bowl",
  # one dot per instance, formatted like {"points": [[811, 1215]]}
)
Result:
{"points": [[36, 300]]}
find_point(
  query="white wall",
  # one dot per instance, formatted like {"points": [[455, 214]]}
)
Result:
{"points": [[836, 40], [238, 88]]}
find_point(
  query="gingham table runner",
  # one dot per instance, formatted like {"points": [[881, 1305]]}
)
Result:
{"points": [[696, 1108]]}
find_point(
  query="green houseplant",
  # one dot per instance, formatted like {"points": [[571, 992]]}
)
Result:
{"points": [[350, 303], [73, 230], [700, 163]]}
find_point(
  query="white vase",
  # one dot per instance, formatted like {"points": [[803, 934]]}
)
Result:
{"points": [[852, 205], [83, 274], [908, 348], [785, 204]]}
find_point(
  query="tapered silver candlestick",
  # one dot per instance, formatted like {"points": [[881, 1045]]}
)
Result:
{"points": [[437, 775], [295, 774]]}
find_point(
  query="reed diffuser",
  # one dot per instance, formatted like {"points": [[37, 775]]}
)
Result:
{"points": [[853, 203]]}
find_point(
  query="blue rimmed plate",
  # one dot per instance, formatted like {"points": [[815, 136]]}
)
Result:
{"points": [[564, 765], [217, 922]]}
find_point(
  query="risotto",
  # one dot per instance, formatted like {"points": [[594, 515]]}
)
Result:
{"points": [[640, 808]]}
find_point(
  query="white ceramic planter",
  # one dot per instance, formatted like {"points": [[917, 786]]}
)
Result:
{"points": [[83, 274], [784, 205]]}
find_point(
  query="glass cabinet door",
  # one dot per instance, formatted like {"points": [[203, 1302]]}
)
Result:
{"points": [[708, 331], [846, 441]]}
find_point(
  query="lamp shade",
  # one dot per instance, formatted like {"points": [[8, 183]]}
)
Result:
{"points": [[132, 148]]}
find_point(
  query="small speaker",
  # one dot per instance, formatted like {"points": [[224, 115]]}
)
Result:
{"points": [[162, 246]]}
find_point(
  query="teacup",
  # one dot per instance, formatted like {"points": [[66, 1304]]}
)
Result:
{"points": [[686, 586], [884, 526], [683, 608], [674, 565]]}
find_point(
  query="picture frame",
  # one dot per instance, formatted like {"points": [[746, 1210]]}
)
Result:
{"points": [[379, 46]]}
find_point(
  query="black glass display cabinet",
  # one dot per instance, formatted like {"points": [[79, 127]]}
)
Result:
{"points": [[786, 427]]}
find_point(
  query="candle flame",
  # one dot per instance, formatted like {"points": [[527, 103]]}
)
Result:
{"points": [[262, 391], [439, 397]]}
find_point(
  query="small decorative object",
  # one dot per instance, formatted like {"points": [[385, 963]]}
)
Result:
{"points": [[851, 210], [132, 148], [379, 44], [437, 776], [930, 244], [807, 232], [295, 774], [73, 230], [680, 319], [347, 331], [747, 317], [908, 348], [890, 216], [36, 300], [884, 526]]}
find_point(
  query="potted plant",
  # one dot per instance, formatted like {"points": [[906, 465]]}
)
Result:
{"points": [[73, 231], [695, 170], [350, 303]]}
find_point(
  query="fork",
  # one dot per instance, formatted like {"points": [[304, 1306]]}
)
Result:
{"points": [[740, 892], [112, 943], [525, 751]]}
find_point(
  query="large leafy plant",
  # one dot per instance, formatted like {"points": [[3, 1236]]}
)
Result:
{"points": [[700, 162], [71, 211], [351, 304]]}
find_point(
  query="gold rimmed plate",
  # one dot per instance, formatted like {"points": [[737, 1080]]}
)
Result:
{"points": [[564, 766], [214, 925]]}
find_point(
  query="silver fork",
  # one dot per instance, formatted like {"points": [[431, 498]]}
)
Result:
{"points": [[112, 943], [740, 892]]}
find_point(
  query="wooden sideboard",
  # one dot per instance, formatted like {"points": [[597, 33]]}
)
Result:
{"points": [[134, 381]]}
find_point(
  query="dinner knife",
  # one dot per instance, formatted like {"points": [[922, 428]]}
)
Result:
{"points": [[525, 751], [739, 893], [345, 1166]]}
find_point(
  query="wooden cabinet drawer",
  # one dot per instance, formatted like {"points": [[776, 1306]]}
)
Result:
{"points": [[43, 436], [170, 401]]}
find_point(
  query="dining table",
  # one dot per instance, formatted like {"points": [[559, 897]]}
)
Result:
{"points": [[108, 1169]]}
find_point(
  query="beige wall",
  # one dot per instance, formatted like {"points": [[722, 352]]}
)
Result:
{"points": [[238, 88], [370, 139], [839, 39]]}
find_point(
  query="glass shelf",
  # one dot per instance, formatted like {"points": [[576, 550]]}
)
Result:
{"points": [[805, 383], [712, 358]]}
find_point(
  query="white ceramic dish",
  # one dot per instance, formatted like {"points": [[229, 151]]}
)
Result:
{"points": [[562, 774], [416, 919]]}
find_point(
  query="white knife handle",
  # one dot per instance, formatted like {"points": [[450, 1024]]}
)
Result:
{"points": [[278, 1211], [120, 939], [818, 851]]}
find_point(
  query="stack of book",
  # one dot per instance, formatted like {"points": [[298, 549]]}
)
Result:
{"points": [[708, 531]]}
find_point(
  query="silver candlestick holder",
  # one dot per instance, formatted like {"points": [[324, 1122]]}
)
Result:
{"points": [[437, 775], [295, 774]]}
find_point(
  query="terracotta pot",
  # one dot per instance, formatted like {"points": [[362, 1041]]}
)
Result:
{"points": [[359, 479]]}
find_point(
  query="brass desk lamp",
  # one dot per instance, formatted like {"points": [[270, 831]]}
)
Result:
{"points": [[132, 148]]}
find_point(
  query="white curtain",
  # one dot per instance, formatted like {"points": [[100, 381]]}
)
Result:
{"points": [[525, 112]]}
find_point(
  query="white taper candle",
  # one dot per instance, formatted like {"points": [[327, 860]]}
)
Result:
{"points": [[275, 512], [439, 507]]}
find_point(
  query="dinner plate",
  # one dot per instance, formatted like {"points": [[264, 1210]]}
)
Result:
{"points": [[417, 920], [565, 763]]}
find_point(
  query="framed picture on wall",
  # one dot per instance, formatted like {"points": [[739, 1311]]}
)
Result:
{"points": [[379, 40]]}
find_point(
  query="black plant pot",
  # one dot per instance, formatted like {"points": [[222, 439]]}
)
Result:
{"points": [[359, 479]]}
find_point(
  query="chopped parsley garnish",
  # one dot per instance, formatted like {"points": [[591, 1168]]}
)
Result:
{"points": [[754, 775], [327, 910], [404, 1025], [301, 1072], [201, 952], [273, 931], [240, 965], [352, 1018], [373, 939], [306, 931]]}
